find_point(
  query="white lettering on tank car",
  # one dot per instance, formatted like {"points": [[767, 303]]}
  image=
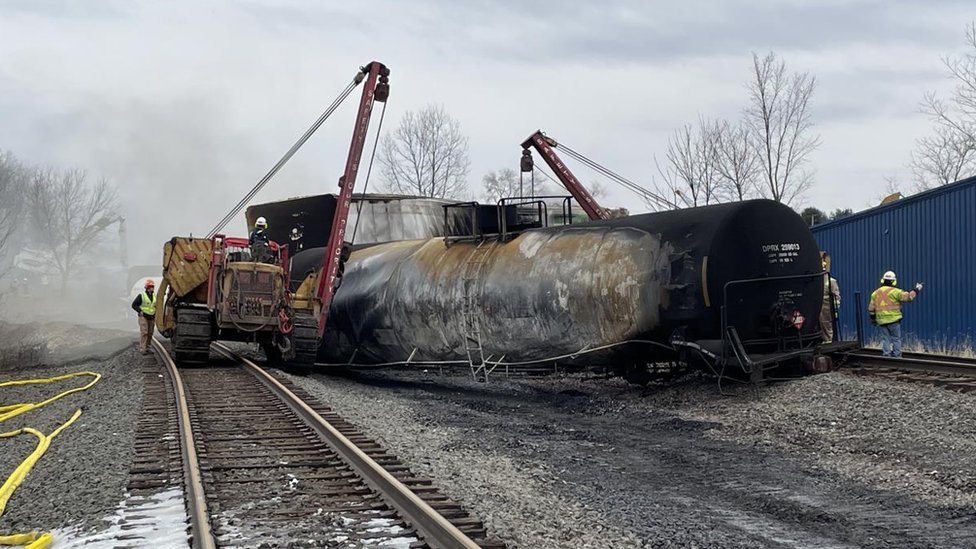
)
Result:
{"points": [[784, 252]]}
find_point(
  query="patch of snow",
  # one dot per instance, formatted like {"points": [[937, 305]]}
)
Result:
{"points": [[158, 521]]}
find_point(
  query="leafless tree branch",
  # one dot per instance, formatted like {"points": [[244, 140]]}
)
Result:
{"points": [[950, 154], [67, 215], [736, 161], [427, 155], [942, 158], [12, 186], [780, 122], [691, 173], [502, 184]]}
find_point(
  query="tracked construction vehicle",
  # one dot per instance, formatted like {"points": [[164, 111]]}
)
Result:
{"points": [[221, 288]]}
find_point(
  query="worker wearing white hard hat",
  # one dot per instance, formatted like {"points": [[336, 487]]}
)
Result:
{"points": [[259, 241], [885, 311], [260, 231]]}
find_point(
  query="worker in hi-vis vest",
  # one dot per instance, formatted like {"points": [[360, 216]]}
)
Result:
{"points": [[885, 311], [145, 306]]}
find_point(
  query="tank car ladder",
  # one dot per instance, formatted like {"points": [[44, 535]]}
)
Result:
{"points": [[471, 310]]}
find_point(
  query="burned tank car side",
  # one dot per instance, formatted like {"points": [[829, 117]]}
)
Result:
{"points": [[653, 279]]}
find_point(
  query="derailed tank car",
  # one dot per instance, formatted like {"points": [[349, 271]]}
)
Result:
{"points": [[732, 284]]}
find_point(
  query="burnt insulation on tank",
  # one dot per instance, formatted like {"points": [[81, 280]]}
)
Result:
{"points": [[558, 291]]}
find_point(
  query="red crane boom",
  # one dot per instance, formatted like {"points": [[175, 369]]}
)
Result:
{"points": [[377, 88], [545, 146]]}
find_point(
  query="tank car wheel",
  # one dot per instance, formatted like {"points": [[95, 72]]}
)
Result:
{"points": [[637, 373]]}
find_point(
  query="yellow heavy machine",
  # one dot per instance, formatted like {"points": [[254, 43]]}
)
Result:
{"points": [[217, 289], [222, 288]]}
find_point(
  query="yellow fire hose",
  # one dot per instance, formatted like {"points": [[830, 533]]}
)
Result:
{"points": [[34, 540]]}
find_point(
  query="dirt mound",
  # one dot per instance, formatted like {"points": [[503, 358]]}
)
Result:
{"points": [[28, 345]]}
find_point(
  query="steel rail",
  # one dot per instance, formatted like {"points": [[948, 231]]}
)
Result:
{"points": [[196, 500], [436, 530], [916, 362]]}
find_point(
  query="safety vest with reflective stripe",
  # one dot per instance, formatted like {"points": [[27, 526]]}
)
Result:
{"points": [[148, 306], [886, 304]]}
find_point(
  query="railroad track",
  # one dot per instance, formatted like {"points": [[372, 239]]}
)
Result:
{"points": [[265, 465], [955, 373]]}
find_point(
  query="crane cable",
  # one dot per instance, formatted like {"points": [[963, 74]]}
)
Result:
{"points": [[646, 193], [369, 170], [287, 156]]}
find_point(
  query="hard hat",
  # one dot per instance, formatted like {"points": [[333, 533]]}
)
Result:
{"points": [[889, 275], [150, 283], [261, 223]]}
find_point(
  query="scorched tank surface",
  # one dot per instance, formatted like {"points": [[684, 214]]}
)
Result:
{"points": [[556, 291]]}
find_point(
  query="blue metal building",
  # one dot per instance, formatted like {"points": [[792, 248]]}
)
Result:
{"points": [[929, 237]]}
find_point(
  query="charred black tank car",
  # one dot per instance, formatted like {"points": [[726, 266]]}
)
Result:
{"points": [[670, 283]]}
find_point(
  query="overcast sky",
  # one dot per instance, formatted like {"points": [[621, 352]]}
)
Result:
{"points": [[186, 104]]}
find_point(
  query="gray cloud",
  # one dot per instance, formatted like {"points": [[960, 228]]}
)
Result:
{"points": [[182, 98], [623, 31]]}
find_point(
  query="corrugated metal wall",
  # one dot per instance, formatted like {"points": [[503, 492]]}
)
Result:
{"points": [[930, 238]]}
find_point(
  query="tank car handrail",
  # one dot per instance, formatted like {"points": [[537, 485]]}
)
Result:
{"points": [[542, 210], [566, 206], [472, 206], [769, 279], [732, 340]]}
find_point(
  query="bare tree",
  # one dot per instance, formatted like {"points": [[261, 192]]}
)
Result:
{"points": [[68, 214], [779, 119], [502, 183], [12, 186], [427, 155], [940, 159], [950, 154], [691, 174], [736, 161], [597, 189]]}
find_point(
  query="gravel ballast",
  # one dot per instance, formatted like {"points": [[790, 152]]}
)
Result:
{"points": [[908, 438], [581, 462], [81, 478]]}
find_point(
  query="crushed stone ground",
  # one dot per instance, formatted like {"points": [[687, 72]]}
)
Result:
{"points": [[81, 478], [576, 461]]}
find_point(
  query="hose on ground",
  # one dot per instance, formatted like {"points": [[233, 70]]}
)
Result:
{"points": [[34, 540]]}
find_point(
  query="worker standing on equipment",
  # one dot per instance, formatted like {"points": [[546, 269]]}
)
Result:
{"points": [[831, 290], [259, 241], [885, 312], [145, 306], [260, 232]]}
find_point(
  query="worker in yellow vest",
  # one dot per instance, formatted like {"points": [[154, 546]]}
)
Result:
{"points": [[885, 311], [145, 306]]}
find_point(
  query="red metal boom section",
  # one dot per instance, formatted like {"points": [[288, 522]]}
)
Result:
{"points": [[377, 88], [545, 146]]}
